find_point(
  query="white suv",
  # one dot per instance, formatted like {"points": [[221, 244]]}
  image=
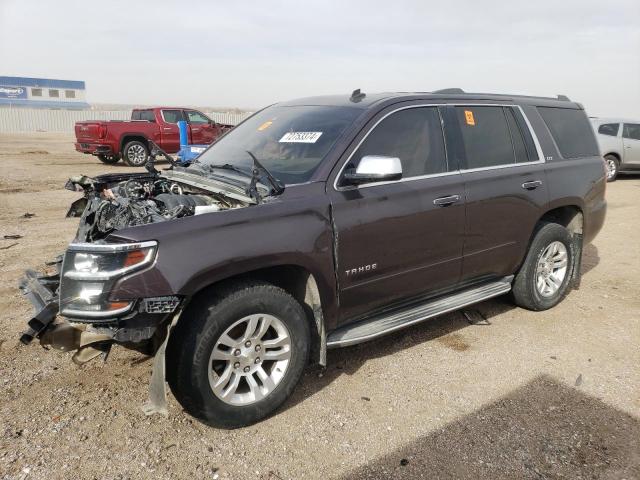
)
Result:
{"points": [[619, 142]]}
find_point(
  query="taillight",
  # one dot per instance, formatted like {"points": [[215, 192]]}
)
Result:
{"points": [[102, 131]]}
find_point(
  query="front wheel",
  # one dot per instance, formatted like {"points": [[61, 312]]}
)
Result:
{"points": [[135, 153], [236, 356], [612, 165], [544, 277]]}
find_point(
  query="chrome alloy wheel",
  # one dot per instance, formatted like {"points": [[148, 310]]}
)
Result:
{"points": [[249, 359], [551, 269], [136, 154], [611, 167]]}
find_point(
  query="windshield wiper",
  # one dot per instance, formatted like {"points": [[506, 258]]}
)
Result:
{"points": [[277, 186], [228, 166]]}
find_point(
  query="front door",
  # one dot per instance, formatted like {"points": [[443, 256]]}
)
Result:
{"points": [[631, 142], [169, 131], [399, 239], [505, 187], [203, 131]]}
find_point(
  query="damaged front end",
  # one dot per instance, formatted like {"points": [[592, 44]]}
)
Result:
{"points": [[80, 284]]}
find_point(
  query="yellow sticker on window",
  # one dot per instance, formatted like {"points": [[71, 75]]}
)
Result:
{"points": [[468, 115], [265, 125]]}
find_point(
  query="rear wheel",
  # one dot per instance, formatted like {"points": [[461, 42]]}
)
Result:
{"points": [[612, 166], [236, 356], [109, 159], [135, 153], [544, 278]]}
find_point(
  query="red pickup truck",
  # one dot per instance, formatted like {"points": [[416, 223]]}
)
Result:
{"points": [[129, 139]]}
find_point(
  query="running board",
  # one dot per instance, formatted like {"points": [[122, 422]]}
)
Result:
{"points": [[391, 321]]}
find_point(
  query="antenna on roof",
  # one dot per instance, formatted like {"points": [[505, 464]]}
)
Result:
{"points": [[357, 95], [450, 90], [563, 97]]}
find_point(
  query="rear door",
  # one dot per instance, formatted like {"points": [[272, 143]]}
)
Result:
{"points": [[398, 239], [631, 142], [169, 132], [505, 186], [203, 131]]}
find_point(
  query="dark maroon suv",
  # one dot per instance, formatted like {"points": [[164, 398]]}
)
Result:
{"points": [[320, 223]]}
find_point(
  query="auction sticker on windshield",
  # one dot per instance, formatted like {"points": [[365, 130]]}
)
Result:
{"points": [[300, 137]]}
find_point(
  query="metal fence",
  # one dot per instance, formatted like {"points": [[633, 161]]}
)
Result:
{"points": [[22, 120]]}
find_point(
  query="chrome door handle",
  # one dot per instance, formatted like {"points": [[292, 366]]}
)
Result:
{"points": [[445, 201], [166, 128], [532, 185]]}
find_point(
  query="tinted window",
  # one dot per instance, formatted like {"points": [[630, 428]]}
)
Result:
{"points": [[70, 93], [172, 116], [196, 117], [516, 137], [36, 92], [414, 135], [609, 129], [631, 130], [54, 93], [486, 136], [571, 130], [147, 115]]}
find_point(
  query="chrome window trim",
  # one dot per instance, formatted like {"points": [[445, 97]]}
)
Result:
{"points": [[536, 142]]}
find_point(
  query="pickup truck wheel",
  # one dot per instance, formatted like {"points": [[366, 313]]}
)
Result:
{"points": [[237, 355], [109, 159], [544, 278], [135, 153], [612, 165]]}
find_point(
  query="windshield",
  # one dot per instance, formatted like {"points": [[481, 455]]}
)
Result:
{"points": [[290, 142]]}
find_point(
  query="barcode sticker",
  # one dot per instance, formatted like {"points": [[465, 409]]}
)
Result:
{"points": [[300, 137]]}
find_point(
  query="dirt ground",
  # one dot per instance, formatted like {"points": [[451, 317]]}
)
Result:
{"points": [[554, 394]]}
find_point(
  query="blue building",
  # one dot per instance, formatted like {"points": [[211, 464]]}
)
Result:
{"points": [[42, 93]]}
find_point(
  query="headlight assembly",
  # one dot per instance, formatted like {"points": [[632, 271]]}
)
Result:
{"points": [[89, 271]]}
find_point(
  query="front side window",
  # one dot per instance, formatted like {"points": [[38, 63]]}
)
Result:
{"points": [[632, 131], [54, 93], [172, 116], [609, 129], [196, 117], [571, 130], [414, 135], [486, 136]]}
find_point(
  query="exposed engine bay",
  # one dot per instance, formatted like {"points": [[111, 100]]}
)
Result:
{"points": [[115, 201]]}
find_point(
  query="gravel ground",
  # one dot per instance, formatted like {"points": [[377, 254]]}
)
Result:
{"points": [[526, 395]]}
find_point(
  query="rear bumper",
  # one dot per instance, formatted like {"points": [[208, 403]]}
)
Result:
{"points": [[94, 148]]}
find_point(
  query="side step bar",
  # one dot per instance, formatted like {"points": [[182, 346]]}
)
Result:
{"points": [[391, 321]]}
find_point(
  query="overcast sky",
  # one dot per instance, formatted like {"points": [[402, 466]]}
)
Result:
{"points": [[249, 54]]}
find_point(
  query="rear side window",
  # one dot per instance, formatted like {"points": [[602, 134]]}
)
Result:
{"points": [[609, 129], [486, 136], [571, 131], [414, 135], [632, 131], [172, 116], [147, 115]]}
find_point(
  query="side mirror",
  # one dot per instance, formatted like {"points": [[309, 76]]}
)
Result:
{"points": [[374, 168]]}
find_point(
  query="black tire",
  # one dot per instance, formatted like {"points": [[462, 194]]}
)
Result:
{"points": [[524, 292], [196, 334], [135, 153], [109, 159], [612, 165]]}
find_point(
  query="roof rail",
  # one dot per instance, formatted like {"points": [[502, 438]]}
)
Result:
{"points": [[564, 98], [449, 90]]}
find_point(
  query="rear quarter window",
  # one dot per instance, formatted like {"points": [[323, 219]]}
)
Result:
{"points": [[571, 131]]}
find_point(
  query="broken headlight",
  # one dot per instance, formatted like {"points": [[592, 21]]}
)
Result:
{"points": [[89, 272]]}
